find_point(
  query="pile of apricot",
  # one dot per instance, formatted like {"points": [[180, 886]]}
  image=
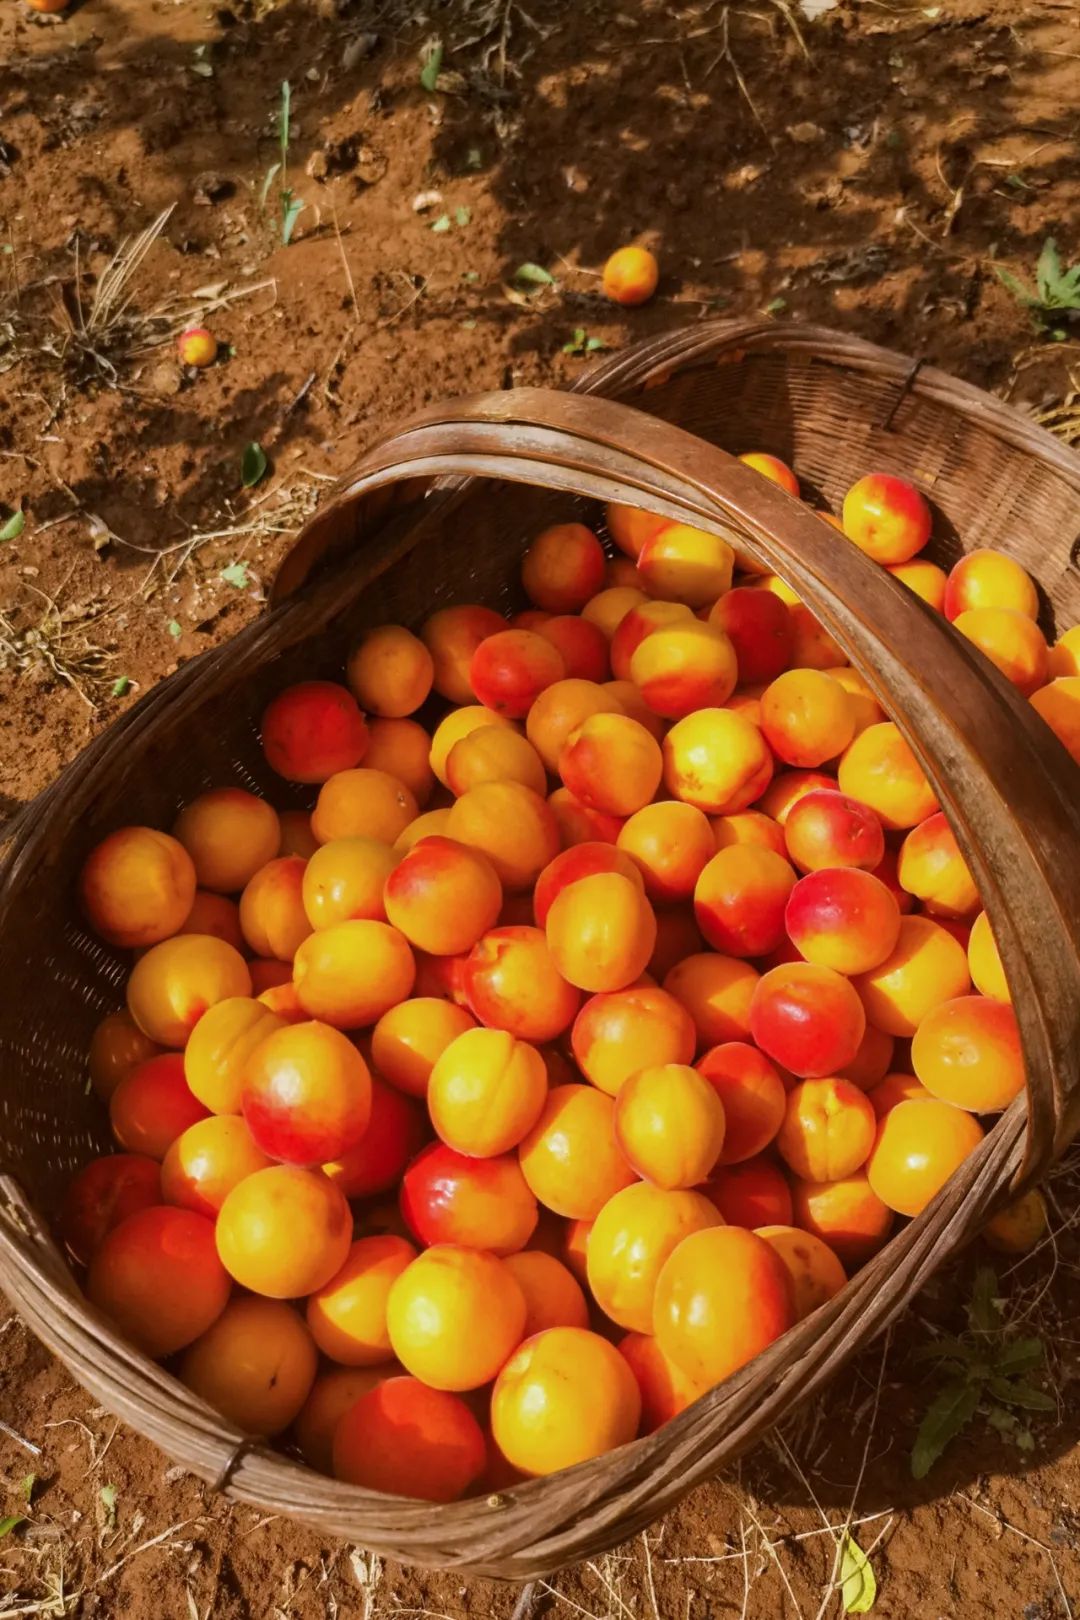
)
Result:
{"points": [[622, 988]]}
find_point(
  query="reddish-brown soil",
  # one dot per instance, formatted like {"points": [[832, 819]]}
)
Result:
{"points": [[868, 176]]}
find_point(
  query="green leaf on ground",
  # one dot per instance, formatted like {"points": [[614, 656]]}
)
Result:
{"points": [[441, 225], [253, 464], [14, 526], [236, 574], [9, 1524], [534, 275], [429, 73], [175, 627], [858, 1585], [121, 686], [951, 1410]]}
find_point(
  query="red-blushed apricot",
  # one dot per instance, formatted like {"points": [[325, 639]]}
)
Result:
{"points": [[229, 835], [454, 1315], [665, 1390], [442, 977], [347, 1315], [219, 1047], [926, 579], [401, 748], [564, 1396], [887, 518], [989, 579], [553, 1297], [721, 1298], [494, 754], [272, 914], [631, 1238], [609, 607], [717, 761], [616, 1033], [344, 880], [407, 1439], [513, 826], [409, 1038], [677, 936], [612, 764], [752, 1094], [1058, 703], [1010, 640], [786, 789], [746, 700], [932, 868], [684, 666], [486, 1092], [769, 582], [196, 346], [332, 1395], [681, 564], [864, 705], [117, 1047], [152, 1106], [917, 1148], [455, 726], [631, 702], [748, 828], [570, 1159], [396, 1132], [448, 1197], [641, 621], [284, 1232], [157, 1276], [895, 1088], [578, 823], [563, 568], [828, 1130], [255, 1365], [828, 829], [510, 670], [216, 915], [443, 895], [297, 837], [880, 770], [812, 647], [872, 1061], [842, 918], [630, 277], [206, 1161], [601, 931], [751, 1194], [136, 887], [630, 527], [581, 644], [104, 1193], [362, 804], [740, 897], [352, 973], [807, 717], [984, 961], [559, 710], [580, 860], [887, 872], [926, 967], [307, 1094], [847, 1214], [669, 1126], [813, 1269], [313, 730], [1064, 657], [452, 636], [772, 468], [967, 1052], [717, 992], [759, 627], [808, 1019], [512, 983], [390, 671], [1020, 1226]]}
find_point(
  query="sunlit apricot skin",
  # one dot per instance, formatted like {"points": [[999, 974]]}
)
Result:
{"points": [[229, 834], [989, 579], [351, 974], [847, 1214], [893, 1089], [865, 706], [828, 1130], [443, 896], [344, 881], [785, 790], [157, 1276], [618, 1032], [307, 1094], [448, 1197], [104, 1193], [580, 860], [453, 1317], [642, 619], [1058, 703], [880, 769], [752, 1094], [1064, 658], [842, 918], [717, 761], [284, 1232], [559, 710], [808, 1019], [455, 726], [405, 1439], [926, 579], [717, 992], [630, 276], [601, 931], [825, 828], [968, 1052], [807, 717], [751, 1194], [409, 1037], [814, 1270], [984, 961], [739, 900], [256, 1365], [721, 1298], [611, 763], [272, 915], [758, 625], [630, 527], [665, 1389], [136, 887], [219, 1048], [494, 754], [433, 823], [684, 666], [932, 868], [513, 826], [486, 1092], [152, 1106], [772, 468], [117, 1046], [564, 1396], [563, 568], [1011, 641], [570, 1159], [513, 983], [887, 518], [926, 967], [1020, 1226], [609, 607], [918, 1147], [207, 1161], [390, 671], [510, 670], [347, 1315], [395, 1133], [362, 803], [334, 1393], [682, 564], [452, 636], [669, 1125], [553, 1296], [312, 730]]}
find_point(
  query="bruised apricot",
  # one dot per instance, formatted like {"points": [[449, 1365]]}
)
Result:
{"points": [[717, 992], [918, 1147], [219, 1047], [682, 564], [740, 897], [932, 868], [157, 1276], [272, 914], [307, 1094], [409, 1038], [814, 1271], [601, 931], [630, 276], [616, 1033], [177, 981], [886, 517], [117, 1046], [570, 1159], [926, 967], [989, 579], [104, 1193], [513, 826], [452, 636], [611, 763], [564, 1396], [449, 1197], [881, 771], [453, 1316], [207, 1160], [352, 973], [313, 730], [807, 1018], [752, 1094], [284, 1232], [553, 1296], [842, 918], [669, 1125], [717, 761], [136, 887], [722, 1297], [807, 717], [362, 804], [846, 1214], [406, 1439], [967, 1051]]}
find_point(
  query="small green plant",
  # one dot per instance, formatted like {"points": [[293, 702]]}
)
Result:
{"points": [[985, 1370], [291, 205], [1056, 291], [582, 343]]}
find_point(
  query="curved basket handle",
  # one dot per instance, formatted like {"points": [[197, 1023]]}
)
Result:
{"points": [[1010, 790]]}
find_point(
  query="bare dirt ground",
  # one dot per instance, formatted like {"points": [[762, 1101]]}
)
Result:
{"points": [[867, 169]]}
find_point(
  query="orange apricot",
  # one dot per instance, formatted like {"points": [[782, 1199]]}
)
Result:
{"points": [[581, 644], [433, 823], [887, 518], [751, 1194], [917, 1148], [759, 627], [579, 861], [926, 967], [772, 468], [601, 931], [807, 717], [847, 1214], [395, 1132], [452, 636], [967, 1052], [684, 666], [575, 1246], [717, 761], [812, 1267], [307, 1094], [443, 896], [406, 1439], [297, 837], [390, 671], [879, 768], [284, 1232], [932, 868], [455, 726], [749, 827], [564, 1396], [207, 1160], [630, 527], [630, 276], [1020, 1226], [510, 670], [609, 607], [642, 621], [665, 1390], [559, 710], [486, 1092], [829, 829], [272, 914], [865, 706], [984, 961], [669, 1125], [579, 824], [449, 1197], [553, 1296], [362, 804], [618, 1032], [612, 764], [895, 1088], [344, 880], [453, 1317], [332, 1395], [219, 1048], [410, 1037], [117, 1047], [136, 887], [722, 1297], [157, 1276], [989, 579], [631, 702], [717, 992], [752, 1094], [347, 1315], [104, 1193], [513, 983], [494, 754], [682, 564], [785, 790], [842, 918], [229, 835], [812, 647], [1058, 703], [352, 973], [570, 1159], [1064, 656], [808, 1019], [563, 568], [401, 748], [828, 1130], [872, 1061], [175, 982], [926, 579], [313, 730], [256, 1364], [631, 1238], [1011, 641], [216, 915], [739, 900], [513, 826]]}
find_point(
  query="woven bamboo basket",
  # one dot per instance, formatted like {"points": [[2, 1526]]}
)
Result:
{"points": [[440, 511]]}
